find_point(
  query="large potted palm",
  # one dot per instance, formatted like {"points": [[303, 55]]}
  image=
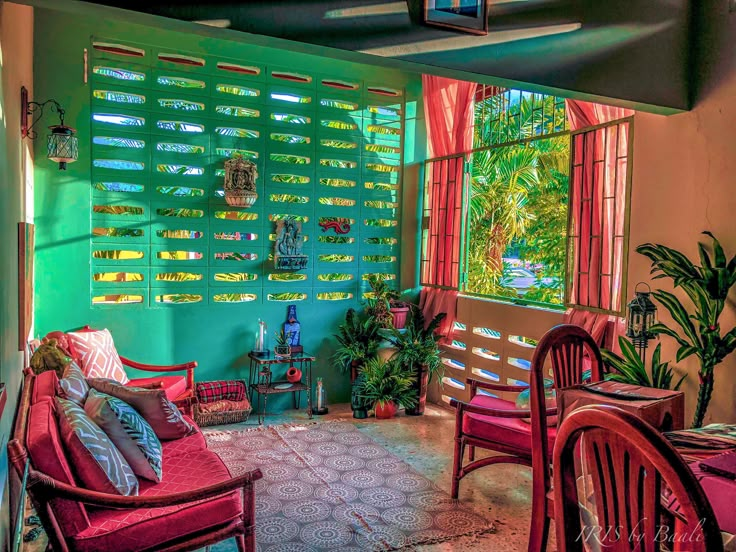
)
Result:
{"points": [[630, 367], [386, 385], [417, 351], [707, 286]]}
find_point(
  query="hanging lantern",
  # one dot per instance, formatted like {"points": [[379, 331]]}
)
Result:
{"points": [[642, 315], [240, 182], [62, 145]]}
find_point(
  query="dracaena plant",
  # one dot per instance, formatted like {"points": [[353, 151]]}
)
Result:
{"points": [[707, 287], [630, 367]]}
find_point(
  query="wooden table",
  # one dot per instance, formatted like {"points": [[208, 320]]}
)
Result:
{"points": [[262, 383]]}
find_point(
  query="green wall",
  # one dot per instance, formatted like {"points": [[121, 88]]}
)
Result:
{"points": [[217, 336], [16, 171]]}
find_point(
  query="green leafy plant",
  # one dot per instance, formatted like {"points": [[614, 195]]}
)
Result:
{"points": [[387, 381], [383, 298], [707, 286], [630, 368], [416, 345], [358, 339]]}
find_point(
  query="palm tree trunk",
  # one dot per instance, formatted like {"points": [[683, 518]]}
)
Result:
{"points": [[704, 394]]}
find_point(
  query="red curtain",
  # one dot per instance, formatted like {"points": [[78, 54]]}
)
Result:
{"points": [[448, 111], [597, 204]]}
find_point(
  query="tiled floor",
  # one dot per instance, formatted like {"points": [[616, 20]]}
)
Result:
{"points": [[501, 492]]}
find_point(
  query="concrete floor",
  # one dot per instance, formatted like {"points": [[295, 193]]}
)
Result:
{"points": [[502, 493]]}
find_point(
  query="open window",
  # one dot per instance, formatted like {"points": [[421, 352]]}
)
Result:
{"points": [[537, 212]]}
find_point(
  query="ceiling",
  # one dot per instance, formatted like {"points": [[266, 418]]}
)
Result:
{"points": [[637, 55]]}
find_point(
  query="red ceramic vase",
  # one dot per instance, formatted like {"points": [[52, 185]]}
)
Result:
{"points": [[399, 316], [386, 410], [293, 375]]}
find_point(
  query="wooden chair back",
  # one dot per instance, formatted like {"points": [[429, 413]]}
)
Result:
{"points": [[629, 464], [567, 346]]}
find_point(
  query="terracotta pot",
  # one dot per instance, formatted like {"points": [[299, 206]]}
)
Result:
{"points": [[420, 384], [399, 316], [293, 375], [385, 411]]}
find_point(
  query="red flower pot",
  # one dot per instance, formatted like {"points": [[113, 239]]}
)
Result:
{"points": [[399, 316], [293, 375], [385, 410]]}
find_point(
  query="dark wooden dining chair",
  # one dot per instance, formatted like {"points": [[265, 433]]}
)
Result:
{"points": [[497, 425], [628, 463]]}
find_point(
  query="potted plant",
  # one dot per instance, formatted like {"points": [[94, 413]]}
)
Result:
{"points": [[384, 305], [283, 347], [417, 351], [630, 368], [707, 286], [387, 386], [359, 340]]}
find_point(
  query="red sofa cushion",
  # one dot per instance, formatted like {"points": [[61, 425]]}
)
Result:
{"points": [[44, 386], [186, 445], [511, 431], [150, 528], [47, 455], [174, 386]]}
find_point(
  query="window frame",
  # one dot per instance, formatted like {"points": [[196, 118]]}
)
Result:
{"points": [[465, 237], [621, 311]]}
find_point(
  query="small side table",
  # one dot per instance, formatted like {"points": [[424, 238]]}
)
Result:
{"points": [[261, 380]]}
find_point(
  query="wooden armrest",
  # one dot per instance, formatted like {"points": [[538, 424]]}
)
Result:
{"points": [[54, 488], [155, 368], [463, 407], [474, 383]]}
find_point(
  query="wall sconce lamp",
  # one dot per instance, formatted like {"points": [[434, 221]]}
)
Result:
{"points": [[62, 146]]}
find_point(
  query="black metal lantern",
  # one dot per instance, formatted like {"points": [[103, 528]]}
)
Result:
{"points": [[642, 315], [62, 146]]}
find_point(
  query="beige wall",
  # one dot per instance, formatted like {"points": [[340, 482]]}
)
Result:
{"points": [[16, 68], [684, 182]]}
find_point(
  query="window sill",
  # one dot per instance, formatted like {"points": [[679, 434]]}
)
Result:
{"points": [[515, 303]]}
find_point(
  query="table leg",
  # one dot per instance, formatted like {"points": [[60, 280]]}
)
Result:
{"points": [[309, 389]]}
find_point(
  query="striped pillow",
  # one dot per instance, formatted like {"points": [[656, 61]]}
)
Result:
{"points": [[95, 459], [73, 386], [130, 433]]}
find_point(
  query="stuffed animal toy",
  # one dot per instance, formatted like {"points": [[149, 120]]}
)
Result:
{"points": [[48, 356]]}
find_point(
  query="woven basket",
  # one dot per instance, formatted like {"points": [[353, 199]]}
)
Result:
{"points": [[222, 417], [204, 419]]}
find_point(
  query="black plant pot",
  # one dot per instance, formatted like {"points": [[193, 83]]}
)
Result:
{"points": [[421, 382], [360, 413]]}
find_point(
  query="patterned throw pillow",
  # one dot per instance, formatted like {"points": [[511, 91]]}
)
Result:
{"points": [[97, 355], [96, 461], [129, 432], [73, 386], [163, 415]]}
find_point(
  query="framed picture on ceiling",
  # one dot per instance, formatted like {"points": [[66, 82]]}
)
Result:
{"points": [[469, 16]]}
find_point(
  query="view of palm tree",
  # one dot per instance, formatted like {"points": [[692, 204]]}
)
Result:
{"points": [[518, 198]]}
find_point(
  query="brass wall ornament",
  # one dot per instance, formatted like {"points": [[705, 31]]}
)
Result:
{"points": [[240, 182]]}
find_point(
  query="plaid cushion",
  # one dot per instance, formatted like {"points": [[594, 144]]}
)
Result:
{"points": [[211, 391]]}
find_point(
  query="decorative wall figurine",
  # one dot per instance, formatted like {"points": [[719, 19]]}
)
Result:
{"points": [[339, 226], [293, 329], [240, 182], [288, 248]]}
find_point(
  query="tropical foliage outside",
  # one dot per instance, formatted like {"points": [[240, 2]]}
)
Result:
{"points": [[518, 200]]}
